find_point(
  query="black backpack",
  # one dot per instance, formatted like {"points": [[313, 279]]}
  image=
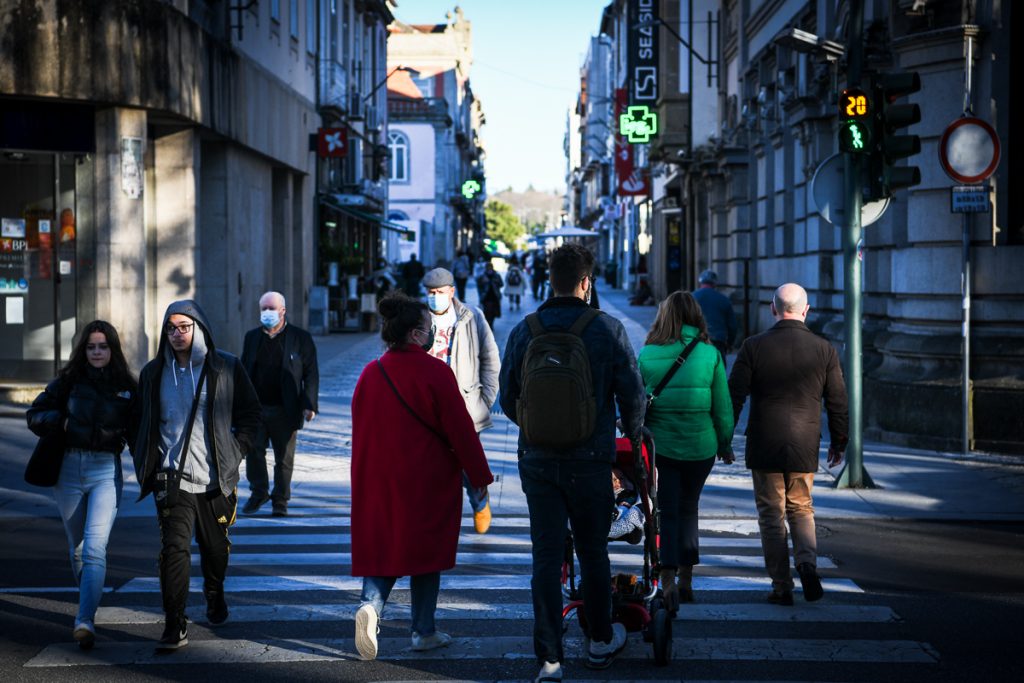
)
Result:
{"points": [[556, 407], [514, 277]]}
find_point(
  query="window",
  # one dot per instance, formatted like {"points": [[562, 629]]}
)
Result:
{"points": [[311, 26], [275, 10], [398, 149], [293, 18]]}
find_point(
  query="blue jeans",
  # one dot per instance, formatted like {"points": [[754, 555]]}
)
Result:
{"points": [[577, 493], [476, 502], [88, 494], [424, 589], [680, 483]]}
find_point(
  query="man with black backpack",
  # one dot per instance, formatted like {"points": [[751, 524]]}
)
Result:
{"points": [[565, 368]]}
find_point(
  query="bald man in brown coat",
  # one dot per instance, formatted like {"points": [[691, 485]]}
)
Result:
{"points": [[787, 371]]}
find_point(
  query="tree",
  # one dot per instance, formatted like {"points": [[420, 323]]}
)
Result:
{"points": [[502, 223]]}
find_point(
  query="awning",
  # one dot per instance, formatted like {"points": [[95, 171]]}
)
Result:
{"points": [[363, 215]]}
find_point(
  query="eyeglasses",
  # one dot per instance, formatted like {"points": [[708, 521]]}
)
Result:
{"points": [[180, 330]]}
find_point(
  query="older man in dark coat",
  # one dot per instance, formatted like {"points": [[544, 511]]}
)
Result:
{"points": [[787, 370]]}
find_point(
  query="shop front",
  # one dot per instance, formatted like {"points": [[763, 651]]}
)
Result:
{"points": [[44, 162]]}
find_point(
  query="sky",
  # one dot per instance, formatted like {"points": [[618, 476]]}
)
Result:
{"points": [[526, 68]]}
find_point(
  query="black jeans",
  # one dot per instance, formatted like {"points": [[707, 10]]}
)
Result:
{"points": [[460, 288], [277, 427], [200, 514], [577, 492], [679, 485]]}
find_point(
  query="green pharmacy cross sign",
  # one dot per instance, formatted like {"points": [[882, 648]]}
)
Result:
{"points": [[470, 188], [638, 124]]}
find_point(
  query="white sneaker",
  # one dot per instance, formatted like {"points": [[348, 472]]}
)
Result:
{"points": [[601, 655], [431, 642], [551, 672], [366, 632]]}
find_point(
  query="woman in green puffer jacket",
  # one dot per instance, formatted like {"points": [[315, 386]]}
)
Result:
{"points": [[692, 422]]}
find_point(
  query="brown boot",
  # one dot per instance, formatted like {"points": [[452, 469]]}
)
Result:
{"points": [[686, 583], [669, 589]]}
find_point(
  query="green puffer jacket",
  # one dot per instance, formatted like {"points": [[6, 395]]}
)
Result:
{"points": [[692, 418]]}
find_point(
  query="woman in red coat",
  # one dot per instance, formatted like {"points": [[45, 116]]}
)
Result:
{"points": [[411, 440]]}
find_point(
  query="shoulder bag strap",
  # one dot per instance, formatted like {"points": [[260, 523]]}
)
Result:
{"points": [[584, 320], [536, 328], [672, 370], [188, 429], [409, 408]]}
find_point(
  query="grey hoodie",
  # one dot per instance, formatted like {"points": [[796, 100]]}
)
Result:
{"points": [[177, 391]]}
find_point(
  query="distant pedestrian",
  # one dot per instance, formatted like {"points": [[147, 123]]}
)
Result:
{"points": [[461, 270], [465, 342], [539, 275], [515, 284], [411, 440], [280, 359], [691, 421], [786, 371], [567, 447], [197, 417], [86, 411], [412, 273], [488, 287], [718, 312]]}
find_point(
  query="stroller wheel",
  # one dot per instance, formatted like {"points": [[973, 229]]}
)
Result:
{"points": [[661, 637]]}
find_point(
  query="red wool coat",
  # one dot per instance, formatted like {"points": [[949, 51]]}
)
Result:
{"points": [[407, 484]]}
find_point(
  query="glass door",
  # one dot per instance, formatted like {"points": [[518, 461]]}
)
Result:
{"points": [[38, 264]]}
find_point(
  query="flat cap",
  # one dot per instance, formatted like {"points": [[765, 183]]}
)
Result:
{"points": [[708, 277], [438, 277]]}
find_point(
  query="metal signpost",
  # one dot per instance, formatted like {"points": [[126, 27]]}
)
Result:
{"points": [[969, 154]]}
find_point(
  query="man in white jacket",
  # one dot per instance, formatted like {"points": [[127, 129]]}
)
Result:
{"points": [[463, 340]]}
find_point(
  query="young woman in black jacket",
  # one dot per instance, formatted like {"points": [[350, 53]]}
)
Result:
{"points": [[89, 402]]}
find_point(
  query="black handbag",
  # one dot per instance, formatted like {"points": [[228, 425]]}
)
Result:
{"points": [[43, 467]]}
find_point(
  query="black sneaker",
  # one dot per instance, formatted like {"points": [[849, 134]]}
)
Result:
{"points": [[784, 598], [280, 509], [810, 581], [255, 502], [216, 608], [175, 634]]}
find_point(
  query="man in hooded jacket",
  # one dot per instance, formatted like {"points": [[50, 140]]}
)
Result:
{"points": [[194, 454]]}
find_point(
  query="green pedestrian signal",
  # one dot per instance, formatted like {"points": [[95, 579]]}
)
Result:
{"points": [[470, 188], [854, 136], [638, 124]]}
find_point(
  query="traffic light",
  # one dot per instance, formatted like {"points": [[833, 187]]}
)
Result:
{"points": [[887, 147], [855, 112]]}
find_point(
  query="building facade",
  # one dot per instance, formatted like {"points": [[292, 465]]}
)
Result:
{"points": [[353, 233], [731, 190], [436, 128], [150, 152]]}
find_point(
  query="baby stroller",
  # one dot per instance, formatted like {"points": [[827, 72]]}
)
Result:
{"points": [[637, 600]]}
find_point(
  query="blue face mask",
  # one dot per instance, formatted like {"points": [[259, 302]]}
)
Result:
{"points": [[269, 319], [438, 303]]}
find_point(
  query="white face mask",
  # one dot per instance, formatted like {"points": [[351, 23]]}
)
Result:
{"points": [[438, 303], [269, 319]]}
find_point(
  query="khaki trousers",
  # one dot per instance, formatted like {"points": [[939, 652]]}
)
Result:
{"points": [[782, 497]]}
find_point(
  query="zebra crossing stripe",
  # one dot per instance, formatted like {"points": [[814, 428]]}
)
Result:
{"points": [[269, 650], [492, 538], [310, 517], [484, 559], [262, 584], [731, 612]]}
